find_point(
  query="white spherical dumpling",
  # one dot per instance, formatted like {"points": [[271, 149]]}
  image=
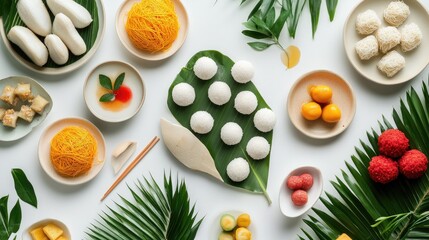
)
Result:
{"points": [[264, 120], [242, 71], [183, 94], [258, 148], [411, 37], [238, 169], [367, 22], [202, 122], [388, 38], [396, 13], [231, 133], [205, 68], [245, 102], [219, 93]]}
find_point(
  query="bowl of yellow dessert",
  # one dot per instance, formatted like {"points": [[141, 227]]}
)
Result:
{"points": [[51, 229]]}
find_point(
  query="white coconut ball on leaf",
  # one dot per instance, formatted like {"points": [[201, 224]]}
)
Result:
{"points": [[219, 93], [231, 133], [242, 71], [238, 169], [183, 94], [245, 102], [201, 122], [264, 120], [205, 68], [258, 148]]}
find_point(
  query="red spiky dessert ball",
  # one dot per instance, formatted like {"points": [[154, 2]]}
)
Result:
{"points": [[307, 181], [294, 182], [413, 164], [299, 197], [393, 143], [383, 169]]}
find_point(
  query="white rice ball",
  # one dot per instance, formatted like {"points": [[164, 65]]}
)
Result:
{"points": [[264, 120], [258, 148], [242, 71], [245, 102], [205, 68], [231, 133], [391, 63], [238, 169], [396, 13], [219, 93], [388, 38], [367, 22], [202, 122], [183, 94], [411, 37], [367, 48]]}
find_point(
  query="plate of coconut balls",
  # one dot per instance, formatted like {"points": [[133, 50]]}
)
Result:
{"points": [[385, 40]]}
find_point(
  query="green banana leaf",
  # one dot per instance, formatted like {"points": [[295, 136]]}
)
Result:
{"points": [[89, 34], [222, 153], [365, 210]]}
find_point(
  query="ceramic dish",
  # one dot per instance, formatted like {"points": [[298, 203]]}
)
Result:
{"points": [[22, 127], [121, 19], [343, 96], [92, 94], [45, 143], [217, 229], [60, 69], [286, 205], [26, 233], [416, 60]]}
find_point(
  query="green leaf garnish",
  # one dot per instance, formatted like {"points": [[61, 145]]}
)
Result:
{"points": [[119, 80], [260, 46], [105, 81], [4, 217], [23, 187], [315, 11], [15, 218], [331, 5], [108, 97]]}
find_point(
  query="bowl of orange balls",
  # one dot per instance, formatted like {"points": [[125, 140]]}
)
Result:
{"points": [[321, 104]]}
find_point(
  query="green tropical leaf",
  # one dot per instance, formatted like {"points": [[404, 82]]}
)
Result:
{"points": [[314, 12], [108, 97], [365, 210], [119, 80], [23, 187], [254, 34], [105, 81], [222, 153], [332, 7], [259, 46], [89, 34], [151, 213], [4, 218], [15, 218]]}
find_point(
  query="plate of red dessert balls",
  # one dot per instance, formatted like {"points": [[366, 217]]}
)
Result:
{"points": [[300, 191]]}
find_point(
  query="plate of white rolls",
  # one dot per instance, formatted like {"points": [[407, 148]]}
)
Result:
{"points": [[54, 36]]}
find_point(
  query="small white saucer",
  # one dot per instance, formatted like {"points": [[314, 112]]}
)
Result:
{"points": [[26, 233]]}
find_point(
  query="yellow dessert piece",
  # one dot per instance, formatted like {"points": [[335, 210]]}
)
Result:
{"points": [[52, 231], [38, 234], [243, 220], [344, 237], [311, 111], [321, 93], [62, 238], [331, 113], [243, 234]]}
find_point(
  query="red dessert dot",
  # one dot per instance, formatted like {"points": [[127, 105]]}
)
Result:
{"points": [[299, 197], [294, 182], [123, 94], [413, 164], [307, 181], [393, 143], [383, 169]]}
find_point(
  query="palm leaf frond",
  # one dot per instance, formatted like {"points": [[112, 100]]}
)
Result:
{"points": [[152, 214], [365, 210]]}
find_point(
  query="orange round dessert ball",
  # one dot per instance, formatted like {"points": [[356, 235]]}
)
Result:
{"points": [[321, 94], [331, 113], [299, 197], [311, 111]]}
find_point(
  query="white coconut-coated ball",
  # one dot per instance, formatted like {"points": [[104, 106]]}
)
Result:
{"points": [[231, 133], [264, 120], [258, 148], [219, 93], [242, 71], [238, 169], [183, 94], [205, 68], [202, 122], [245, 102]]}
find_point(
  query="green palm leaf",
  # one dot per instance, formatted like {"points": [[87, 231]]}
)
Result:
{"points": [[152, 214], [365, 210]]}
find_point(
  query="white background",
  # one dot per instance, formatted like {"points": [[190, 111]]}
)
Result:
{"points": [[213, 25]]}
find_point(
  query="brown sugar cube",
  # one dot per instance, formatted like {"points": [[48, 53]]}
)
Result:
{"points": [[26, 113], [9, 118], [8, 95], [23, 91], [2, 112], [38, 104]]}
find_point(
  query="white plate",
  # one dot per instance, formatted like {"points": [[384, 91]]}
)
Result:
{"points": [[132, 79], [416, 60], [286, 205], [217, 229], [45, 145], [343, 96], [22, 127], [26, 233], [62, 69], [121, 19]]}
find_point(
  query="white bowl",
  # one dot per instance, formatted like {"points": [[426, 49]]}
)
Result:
{"points": [[26, 233], [132, 79], [121, 19], [416, 60], [45, 144], [61, 69], [287, 207]]}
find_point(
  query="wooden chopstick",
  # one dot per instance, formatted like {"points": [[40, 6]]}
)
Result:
{"points": [[132, 165]]}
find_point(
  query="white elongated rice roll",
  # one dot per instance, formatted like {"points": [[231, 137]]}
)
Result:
{"points": [[367, 22], [396, 13], [411, 37], [367, 48], [388, 38], [391, 63]]}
